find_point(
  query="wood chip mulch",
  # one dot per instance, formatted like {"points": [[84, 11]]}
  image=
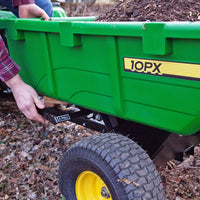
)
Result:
{"points": [[153, 10]]}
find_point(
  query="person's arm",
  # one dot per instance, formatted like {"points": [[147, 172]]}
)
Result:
{"points": [[28, 9], [25, 96]]}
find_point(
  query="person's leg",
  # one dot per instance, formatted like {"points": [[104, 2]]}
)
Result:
{"points": [[46, 5]]}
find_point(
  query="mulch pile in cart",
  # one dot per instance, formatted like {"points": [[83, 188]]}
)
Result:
{"points": [[153, 10]]}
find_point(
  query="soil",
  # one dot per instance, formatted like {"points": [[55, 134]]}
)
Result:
{"points": [[153, 10]]}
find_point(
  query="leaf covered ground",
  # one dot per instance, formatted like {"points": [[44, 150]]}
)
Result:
{"points": [[30, 154]]}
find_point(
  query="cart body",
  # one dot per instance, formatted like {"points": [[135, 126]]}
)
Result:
{"points": [[146, 72]]}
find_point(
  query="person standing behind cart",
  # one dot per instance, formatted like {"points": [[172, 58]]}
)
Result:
{"points": [[25, 96]]}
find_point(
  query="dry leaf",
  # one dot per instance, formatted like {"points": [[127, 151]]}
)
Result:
{"points": [[127, 181], [43, 167]]}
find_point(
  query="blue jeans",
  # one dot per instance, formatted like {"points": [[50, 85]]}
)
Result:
{"points": [[44, 4]]}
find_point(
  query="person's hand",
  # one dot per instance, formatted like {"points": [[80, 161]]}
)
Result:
{"points": [[32, 11], [26, 98]]}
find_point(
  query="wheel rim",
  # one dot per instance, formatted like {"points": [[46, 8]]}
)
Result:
{"points": [[90, 186]]}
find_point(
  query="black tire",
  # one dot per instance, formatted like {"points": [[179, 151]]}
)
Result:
{"points": [[123, 165]]}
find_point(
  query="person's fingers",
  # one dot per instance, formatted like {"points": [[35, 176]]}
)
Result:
{"points": [[39, 118], [39, 103], [45, 16], [32, 11], [32, 114], [28, 106]]}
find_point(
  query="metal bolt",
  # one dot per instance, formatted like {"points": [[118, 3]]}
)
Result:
{"points": [[98, 117], [105, 193]]}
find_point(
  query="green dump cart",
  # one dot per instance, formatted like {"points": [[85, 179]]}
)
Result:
{"points": [[135, 79]]}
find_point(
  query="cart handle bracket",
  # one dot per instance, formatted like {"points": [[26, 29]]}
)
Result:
{"points": [[55, 115]]}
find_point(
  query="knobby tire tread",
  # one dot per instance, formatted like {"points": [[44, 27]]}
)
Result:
{"points": [[127, 160]]}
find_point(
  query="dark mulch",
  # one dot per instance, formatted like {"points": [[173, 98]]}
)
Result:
{"points": [[153, 10]]}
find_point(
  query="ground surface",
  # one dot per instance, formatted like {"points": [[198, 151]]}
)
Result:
{"points": [[30, 154]]}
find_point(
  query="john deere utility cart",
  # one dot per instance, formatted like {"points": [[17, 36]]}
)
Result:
{"points": [[134, 82]]}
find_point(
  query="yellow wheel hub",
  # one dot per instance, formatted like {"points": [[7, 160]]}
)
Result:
{"points": [[89, 186]]}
